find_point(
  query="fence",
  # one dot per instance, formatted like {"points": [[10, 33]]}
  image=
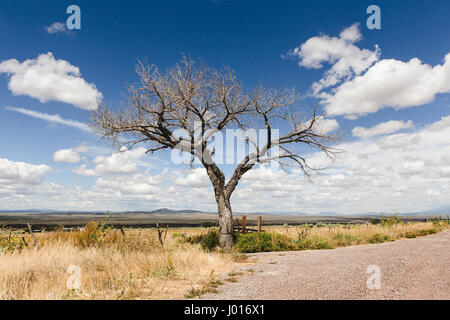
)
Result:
{"points": [[241, 225]]}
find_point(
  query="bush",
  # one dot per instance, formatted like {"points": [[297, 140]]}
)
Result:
{"points": [[303, 243], [262, 242], [321, 225], [207, 224], [390, 221], [437, 221], [208, 241], [341, 239], [411, 234], [378, 238]]}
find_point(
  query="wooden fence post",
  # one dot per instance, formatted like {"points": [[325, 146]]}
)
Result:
{"points": [[34, 237], [259, 223], [244, 223]]}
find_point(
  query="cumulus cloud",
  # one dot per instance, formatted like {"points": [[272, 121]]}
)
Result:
{"points": [[140, 184], [266, 179], [389, 83], [57, 27], [122, 162], [397, 141], [387, 127], [83, 170], [71, 155], [54, 118], [48, 79], [346, 58], [412, 168], [325, 126], [21, 172], [442, 124], [322, 125], [364, 84], [197, 178]]}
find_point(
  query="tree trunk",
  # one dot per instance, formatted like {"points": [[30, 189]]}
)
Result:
{"points": [[225, 221]]}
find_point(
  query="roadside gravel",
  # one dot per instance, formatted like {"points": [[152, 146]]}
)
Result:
{"points": [[410, 269]]}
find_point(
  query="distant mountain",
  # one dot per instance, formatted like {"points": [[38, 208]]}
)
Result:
{"points": [[166, 211], [442, 211], [25, 211]]}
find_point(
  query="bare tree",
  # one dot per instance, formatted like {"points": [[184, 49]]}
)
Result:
{"points": [[201, 101]]}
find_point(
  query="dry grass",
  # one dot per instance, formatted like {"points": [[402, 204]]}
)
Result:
{"points": [[138, 267], [112, 267], [338, 235]]}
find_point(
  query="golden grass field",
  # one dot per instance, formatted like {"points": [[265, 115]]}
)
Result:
{"points": [[138, 267]]}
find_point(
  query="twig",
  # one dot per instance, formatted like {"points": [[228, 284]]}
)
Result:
{"points": [[34, 237], [24, 241], [165, 233], [159, 234]]}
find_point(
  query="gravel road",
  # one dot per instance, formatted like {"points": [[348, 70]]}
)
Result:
{"points": [[410, 269]]}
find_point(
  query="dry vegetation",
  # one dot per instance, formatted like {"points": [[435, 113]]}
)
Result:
{"points": [[136, 266], [338, 235], [113, 267]]}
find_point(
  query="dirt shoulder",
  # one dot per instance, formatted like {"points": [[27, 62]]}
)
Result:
{"points": [[410, 269]]}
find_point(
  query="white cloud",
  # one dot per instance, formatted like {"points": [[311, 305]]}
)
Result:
{"points": [[120, 162], [389, 83], [321, 126], [266, 179], [137, 184], [47, 79], [69, 155], [381, 128], [84, 171], [57, 27], [442, 124], [346, 58], [55, 118], [21, 173], [197, 178], [412, 168], [399, 141], [325, 126], [433, 192]]}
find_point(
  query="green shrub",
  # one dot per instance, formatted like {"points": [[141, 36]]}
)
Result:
{"points": [[303, 243], [411, 234], [208, 241], [207, 224], [420, 233], [262, 242], [425, 232], [378, 238], [341, 239], [390, 221], [321, 225], [437, 221], [318, 244]]}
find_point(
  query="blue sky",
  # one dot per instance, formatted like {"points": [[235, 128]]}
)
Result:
{"points": [[398, 159]]}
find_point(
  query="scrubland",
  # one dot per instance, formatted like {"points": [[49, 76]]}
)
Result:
{"points": [[134, 265]]}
